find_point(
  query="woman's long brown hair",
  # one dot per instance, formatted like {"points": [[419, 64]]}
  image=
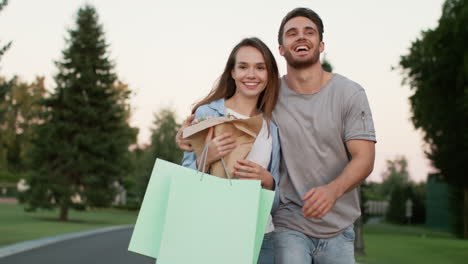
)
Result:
{"points": [[226, 86]]}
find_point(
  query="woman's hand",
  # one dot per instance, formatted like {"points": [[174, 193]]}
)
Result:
{"points": [[218, 147], [182, 143], [249, 170]]}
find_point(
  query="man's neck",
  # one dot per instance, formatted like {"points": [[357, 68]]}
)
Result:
{"points": [[307, 80]]}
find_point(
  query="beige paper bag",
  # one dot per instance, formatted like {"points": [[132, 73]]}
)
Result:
{"points": [[244, 131]]}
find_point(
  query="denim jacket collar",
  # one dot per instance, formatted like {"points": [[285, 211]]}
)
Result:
{"points": [[218, 106]]}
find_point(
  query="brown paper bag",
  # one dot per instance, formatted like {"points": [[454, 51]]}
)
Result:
{"points": [[245, 132]]}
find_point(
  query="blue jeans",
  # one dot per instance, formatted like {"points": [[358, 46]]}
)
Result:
{"points": [[293, 247], [267, 253]]}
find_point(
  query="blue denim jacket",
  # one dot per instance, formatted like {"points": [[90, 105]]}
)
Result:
{"points": [[216, 109]]}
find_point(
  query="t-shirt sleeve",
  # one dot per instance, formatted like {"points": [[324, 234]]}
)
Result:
{"points": [[358, 123]]}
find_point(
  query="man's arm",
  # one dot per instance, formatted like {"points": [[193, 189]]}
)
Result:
{"points": [[322, 198]]}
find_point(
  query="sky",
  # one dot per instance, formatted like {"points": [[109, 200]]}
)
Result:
{"points": [[170, 53]]}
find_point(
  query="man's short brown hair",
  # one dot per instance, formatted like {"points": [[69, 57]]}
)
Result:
{"points": [[301, 12]]}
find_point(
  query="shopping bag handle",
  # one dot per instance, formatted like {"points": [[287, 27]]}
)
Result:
{"points": [[203, 159]]}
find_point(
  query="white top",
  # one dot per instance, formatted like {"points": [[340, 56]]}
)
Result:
{"points": [[260, 152]]}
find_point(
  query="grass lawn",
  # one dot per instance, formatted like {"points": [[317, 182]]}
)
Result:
{"points": [[393, 244], [16, 225]]}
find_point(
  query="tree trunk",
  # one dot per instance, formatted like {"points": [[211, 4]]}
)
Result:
{"points": [[64, 211], [465, 212], [359, 239]]}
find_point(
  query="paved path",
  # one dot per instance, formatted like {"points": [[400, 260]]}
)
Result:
{"points": [[103, 248]]}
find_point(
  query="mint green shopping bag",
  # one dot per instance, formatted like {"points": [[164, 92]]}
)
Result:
{"points": [[187, 218], [146, 237]]}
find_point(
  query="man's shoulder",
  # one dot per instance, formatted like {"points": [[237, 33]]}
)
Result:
{"points": [[345, 85]]}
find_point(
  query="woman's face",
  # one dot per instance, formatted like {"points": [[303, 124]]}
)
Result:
{"points": [[249, 72]]}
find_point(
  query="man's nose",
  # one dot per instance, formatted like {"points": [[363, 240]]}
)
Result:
{"points": [[300, 36]]}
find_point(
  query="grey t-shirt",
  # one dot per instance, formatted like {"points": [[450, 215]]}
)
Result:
{"points": [[313, 130]]}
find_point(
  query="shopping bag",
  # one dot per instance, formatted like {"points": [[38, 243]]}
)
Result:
{"points": [[189, 217], [244, 131], [146, 237]]}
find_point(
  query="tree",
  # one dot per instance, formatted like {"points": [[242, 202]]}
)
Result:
{"points": [[162, 145], [436, 69], [395, 187], [5, 87], [21, 112], [82, 147], [395, 175], [326, 65]]}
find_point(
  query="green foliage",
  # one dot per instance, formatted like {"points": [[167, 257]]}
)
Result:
{"points": [[373, 191], [396, 208], [326, 65], [395, 176], [417, 194], [81, 148], [165, 128], [162, 146], [436, 69], [21, 112], [398, 188]]}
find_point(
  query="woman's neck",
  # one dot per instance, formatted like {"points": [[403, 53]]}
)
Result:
{"points": [[242, 105]]}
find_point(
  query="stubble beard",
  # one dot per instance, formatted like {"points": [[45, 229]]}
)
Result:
{"points": [[301, 64]]}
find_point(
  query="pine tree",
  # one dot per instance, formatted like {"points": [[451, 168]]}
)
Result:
{"points": [[81, 149]]}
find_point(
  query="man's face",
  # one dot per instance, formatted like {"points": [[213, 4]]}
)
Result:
{"points": [[301, 43]]}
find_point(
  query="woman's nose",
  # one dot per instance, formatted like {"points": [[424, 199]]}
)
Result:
{"points": [[251, 73]]}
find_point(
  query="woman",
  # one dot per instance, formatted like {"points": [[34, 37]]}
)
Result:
{"points": [[248, 86]]}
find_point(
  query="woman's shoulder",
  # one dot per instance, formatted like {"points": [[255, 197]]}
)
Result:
{"points": [[212, 109]]}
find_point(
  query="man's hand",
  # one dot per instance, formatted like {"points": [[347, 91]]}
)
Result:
{"points": [[319, 201], [184, 144], [248, 170]]}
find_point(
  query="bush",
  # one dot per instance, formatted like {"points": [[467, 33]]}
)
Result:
{"points": [[9, 177]]}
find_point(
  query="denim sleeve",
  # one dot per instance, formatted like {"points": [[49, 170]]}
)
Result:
{"points": [[274, 166], [189, 160]]}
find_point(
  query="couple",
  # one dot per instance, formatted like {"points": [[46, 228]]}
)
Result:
{"points": [[327, 141]]}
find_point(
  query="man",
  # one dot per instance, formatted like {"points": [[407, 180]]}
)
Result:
{"points": [[327, 140]]}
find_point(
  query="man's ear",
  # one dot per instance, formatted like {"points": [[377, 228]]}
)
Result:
{"points": [[281, 50], [321, 46]]}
